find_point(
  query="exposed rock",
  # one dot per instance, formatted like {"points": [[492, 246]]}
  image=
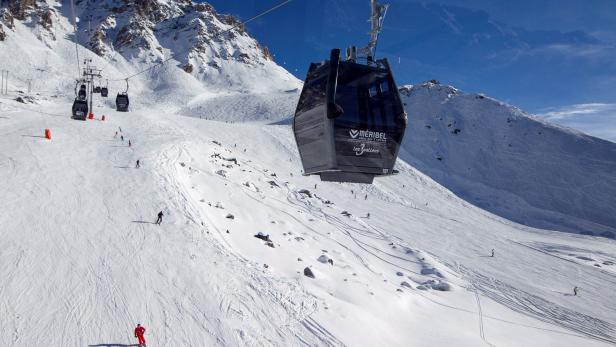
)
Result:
{"points": [[263, 237], [308, 273]]}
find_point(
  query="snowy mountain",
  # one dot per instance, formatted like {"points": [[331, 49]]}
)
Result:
{"points": [[510, 163], [402, 262], [214, 52]]}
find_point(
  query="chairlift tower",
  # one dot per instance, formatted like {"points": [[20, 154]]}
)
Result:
{"points": [[89, 72]]}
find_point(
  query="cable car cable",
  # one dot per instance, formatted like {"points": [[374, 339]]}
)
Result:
{"points": [[75, 39]]}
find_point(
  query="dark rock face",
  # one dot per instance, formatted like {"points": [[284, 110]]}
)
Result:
{"points": [[20, 9]]}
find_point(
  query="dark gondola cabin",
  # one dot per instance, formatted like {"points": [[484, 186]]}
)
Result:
{"points": [[122, 102], [82, 94], [97, 90], [80, 109], [349, 121], [104, 92]]}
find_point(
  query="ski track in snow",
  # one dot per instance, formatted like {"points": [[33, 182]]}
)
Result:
{"points": [[540, 308]]}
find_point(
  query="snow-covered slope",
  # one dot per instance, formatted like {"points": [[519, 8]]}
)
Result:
{"points": [[81, 262], [510, 163]]}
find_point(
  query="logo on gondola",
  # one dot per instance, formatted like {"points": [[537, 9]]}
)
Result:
{"points": [[368, 135], [362, 149]]}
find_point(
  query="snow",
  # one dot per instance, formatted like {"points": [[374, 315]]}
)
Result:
{"points": [[510, 163], [82, 263]]}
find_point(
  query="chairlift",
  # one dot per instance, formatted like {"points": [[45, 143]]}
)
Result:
{"points": [[122, 100], [349, 120]]}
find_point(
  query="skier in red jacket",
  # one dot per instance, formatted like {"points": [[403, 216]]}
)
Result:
{"points": [[139, 331]]}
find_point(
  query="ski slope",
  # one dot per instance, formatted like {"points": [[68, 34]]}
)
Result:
{"points": [[82, 262]]}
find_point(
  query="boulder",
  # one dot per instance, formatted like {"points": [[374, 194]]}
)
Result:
{"points": [[308, 273]]}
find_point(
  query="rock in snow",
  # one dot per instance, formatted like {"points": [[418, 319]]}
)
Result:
{"points": [[308, 272]]}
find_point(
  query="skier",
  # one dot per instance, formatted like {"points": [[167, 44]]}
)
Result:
{"points": [[492, 253], [575, 290], [129, 144], [160, 218], [366, 197], [137, 165], [139, 331], [122, 137], [116, 135]]}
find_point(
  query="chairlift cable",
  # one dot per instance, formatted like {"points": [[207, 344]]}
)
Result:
{"points": [[75, 38]]}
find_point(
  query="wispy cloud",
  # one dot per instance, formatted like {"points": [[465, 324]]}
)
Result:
{"points": [[596, 119]]}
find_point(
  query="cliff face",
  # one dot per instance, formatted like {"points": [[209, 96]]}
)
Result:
{"points": [[31, 12], [194, 32]]}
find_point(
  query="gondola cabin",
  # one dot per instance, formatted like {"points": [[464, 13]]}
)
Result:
{"points": [[104, 92], [349, 121], [122, 102], [82, 94], [80, 109]]}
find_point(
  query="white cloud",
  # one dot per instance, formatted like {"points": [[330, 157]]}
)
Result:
{"points": [[596, 119]]}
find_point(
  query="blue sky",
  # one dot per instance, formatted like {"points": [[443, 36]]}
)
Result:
{"points": [[540, 55]]}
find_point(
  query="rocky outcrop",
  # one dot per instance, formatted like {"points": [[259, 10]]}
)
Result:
{"points": [[32, 11]]}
